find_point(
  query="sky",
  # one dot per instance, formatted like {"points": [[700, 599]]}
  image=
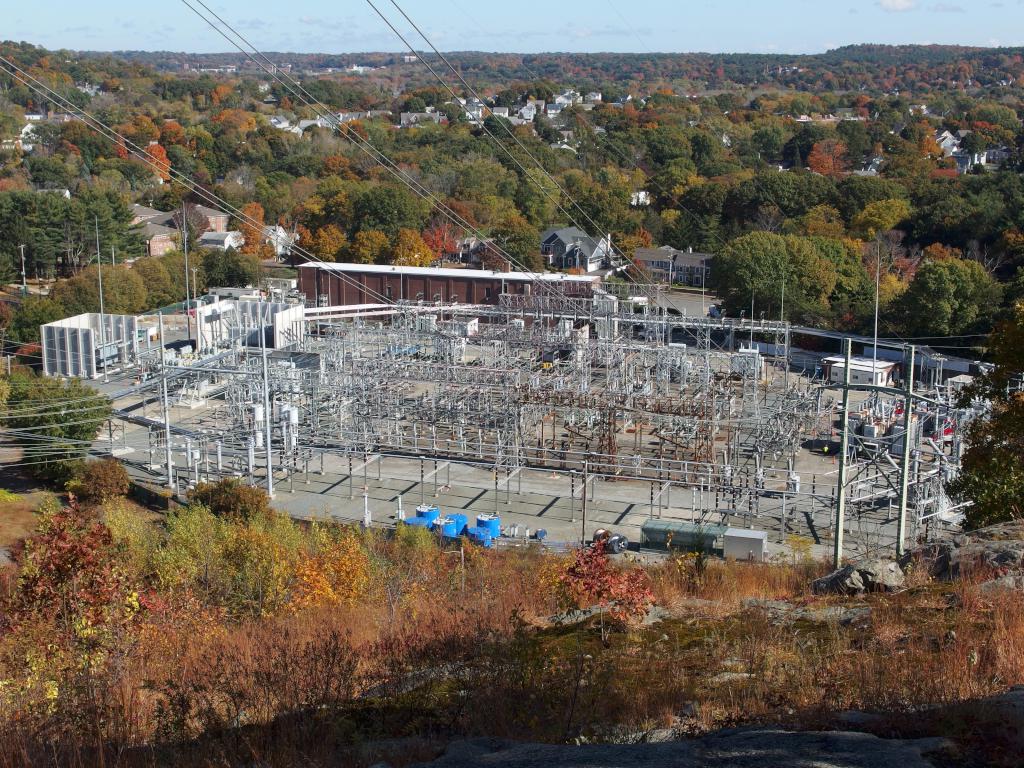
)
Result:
{"points": [[525, 26]]}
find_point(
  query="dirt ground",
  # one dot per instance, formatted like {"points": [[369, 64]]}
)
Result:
{"points": [[18, 518]]}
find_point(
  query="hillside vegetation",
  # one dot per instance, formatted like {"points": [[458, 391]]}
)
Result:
{"points": [[240, 637]]}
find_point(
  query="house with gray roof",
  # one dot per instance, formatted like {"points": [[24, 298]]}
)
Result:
{"points": [[572, 248]]}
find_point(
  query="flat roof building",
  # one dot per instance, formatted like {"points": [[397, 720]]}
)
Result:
{"points": [[331, 285]]}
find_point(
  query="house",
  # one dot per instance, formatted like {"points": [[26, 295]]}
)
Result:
{"points": [[872, 168], [349, 117], [320, 122], [159, 229], [280, 239], [216, 221], [470, 250], [641, 198], [221, 241], [998, 155], [528, 112], [412, 119], [60, 191], [593, 97], [555, 109], [500, 111], [572, 248], [948, 142], [675, 267]]}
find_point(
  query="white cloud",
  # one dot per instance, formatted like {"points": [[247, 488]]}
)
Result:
{"points": [[897, 6]]}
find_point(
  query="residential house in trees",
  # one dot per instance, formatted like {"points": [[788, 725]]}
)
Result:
{"points": [[221, 241], [159, 229], [572, 248], [280, 239], [216, 221], [675, 267]]}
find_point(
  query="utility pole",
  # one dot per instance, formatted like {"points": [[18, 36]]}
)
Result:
{"points": [[266, 411], [195, 302], [163, 401], [844, 444], [583, 528], [878, 275], [99, 267], [184, 248], [908, 409], [751, 318], [113, 258], [24, 285]]}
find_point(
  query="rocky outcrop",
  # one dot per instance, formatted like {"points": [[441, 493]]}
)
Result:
{"points": [[997, 548], [784, 612], [867, 576], [735, 748]]}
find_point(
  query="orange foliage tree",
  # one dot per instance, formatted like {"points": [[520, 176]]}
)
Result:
{"points": [[828, 158], [252, 227], [158, 155]]}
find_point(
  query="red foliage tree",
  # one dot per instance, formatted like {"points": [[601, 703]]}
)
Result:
{"points": [[441, 237], [592, 581], [68, 572]]}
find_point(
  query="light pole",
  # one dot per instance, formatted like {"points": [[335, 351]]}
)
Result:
{"points": [[184, 248], [24, 286], [99, 268]]}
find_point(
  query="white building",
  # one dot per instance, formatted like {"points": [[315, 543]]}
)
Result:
{"points": [[862, 370]]}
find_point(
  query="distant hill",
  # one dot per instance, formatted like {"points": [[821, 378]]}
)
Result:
{"points": [[914, 68]]}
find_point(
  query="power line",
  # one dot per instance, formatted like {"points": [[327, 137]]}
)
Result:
{"points": [[111, 134], [627, 263], [322, 111]]}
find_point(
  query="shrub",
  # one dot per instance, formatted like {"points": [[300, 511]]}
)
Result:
{"points": [[232, 498], [99, 481]]}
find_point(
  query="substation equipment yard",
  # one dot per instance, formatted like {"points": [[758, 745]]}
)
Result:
{"points": [[559, 413]]}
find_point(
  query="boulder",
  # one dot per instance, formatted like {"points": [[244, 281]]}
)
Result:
{"points": [[868, 576], [846, 581], [1009, 582], [881, 575]]}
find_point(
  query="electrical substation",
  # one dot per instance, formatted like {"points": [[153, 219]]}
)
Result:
{"points": [[558, 411]]}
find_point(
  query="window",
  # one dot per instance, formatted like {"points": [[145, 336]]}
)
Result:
{"points": [[387, 292], [487, 294]]}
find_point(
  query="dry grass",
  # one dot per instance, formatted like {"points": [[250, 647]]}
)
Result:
{"points": [[351, 684]]}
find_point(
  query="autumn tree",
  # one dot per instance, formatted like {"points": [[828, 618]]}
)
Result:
{"points": [[329, 242], [442, 238], [410, 250], [828, 158], [158, 156], [99, 481], [232, 498], [369, 246], [251, 225], [69, 576], [591, 580], [880, 216]]}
